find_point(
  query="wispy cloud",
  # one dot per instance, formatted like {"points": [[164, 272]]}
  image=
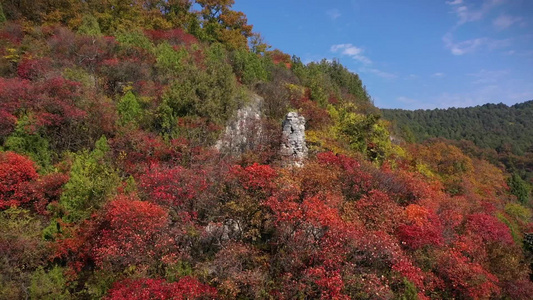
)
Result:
{"points": [[352, 51], [455, 2], [407, 100], [505, 21], [488, 76], [473, 45], [438, 74], [470, 13], [378, 72], [333, 13]]}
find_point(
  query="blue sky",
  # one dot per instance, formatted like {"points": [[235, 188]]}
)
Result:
{"points": [[411, 53]]}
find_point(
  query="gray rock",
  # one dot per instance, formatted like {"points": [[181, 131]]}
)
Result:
{"points": [[220, 232], [293, 147], [244, 131]]}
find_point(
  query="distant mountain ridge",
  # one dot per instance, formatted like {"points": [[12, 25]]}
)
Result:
{"points": [[495, 126]]}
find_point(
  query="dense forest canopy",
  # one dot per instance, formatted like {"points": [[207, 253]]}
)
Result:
{"points": [[495, 126], [111, 186]]}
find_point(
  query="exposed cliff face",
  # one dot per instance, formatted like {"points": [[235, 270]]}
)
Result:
{"points": [[244, 130], [293, 147]]}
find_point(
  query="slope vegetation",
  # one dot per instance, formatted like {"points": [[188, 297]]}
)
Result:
{"points": [[111, 186]]}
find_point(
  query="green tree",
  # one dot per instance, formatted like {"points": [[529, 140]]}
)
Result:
{"points": [[129, 109], [519, 188], [29, 143], [92, 180], [250, 67], [89, 26], [49, 285]]}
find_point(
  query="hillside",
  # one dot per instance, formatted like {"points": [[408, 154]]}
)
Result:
{"points": [[145, 153], [498, 133], [495, 126]]}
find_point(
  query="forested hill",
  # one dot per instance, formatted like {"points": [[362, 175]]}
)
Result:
{"points": [[495, 126], [112, 184]]}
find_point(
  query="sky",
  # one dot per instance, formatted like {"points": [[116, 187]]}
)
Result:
{"points": [[411, 54]]}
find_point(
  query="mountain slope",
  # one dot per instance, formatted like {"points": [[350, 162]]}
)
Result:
{"points": [[112, 187], [493, 126]]}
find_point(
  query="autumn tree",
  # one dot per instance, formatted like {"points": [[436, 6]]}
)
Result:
{"points": [[222, 24]]}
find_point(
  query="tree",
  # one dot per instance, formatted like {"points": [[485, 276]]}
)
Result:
{"points": [[519, 188], [89, 26], [92, 180], [128, 109], [222, 24]]}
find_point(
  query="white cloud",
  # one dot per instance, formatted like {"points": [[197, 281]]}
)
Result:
{"points": [[473, 45], [438, 74], [468, 13], [455, 2], [406, 100], [351, 51], [505, 21], [333, 13], [488, 77], [378, 72]]}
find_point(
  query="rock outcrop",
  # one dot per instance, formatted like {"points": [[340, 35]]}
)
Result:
{"points": [[293, 148], [244, 130]]}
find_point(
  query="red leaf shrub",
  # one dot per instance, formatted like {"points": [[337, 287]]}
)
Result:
{"points": [[176, 36], [32, 68], [255, 177], [424, 228], [131, 231], [187, 288], [16, 173], [7, 123], [489, 228], [173, 186], [465, 278], [52, 102]]}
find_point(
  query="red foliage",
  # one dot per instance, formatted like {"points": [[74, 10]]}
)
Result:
{"points": [[315, 116], [465, 278], [329, 283], [138, 149], [47, 189], [52, 101], [149, 88], [20, 183], [489, 228], [279, 57], [176, 36], [130, 233], [255, 177], [355, 181], [177, 187], [7, 123], [71, 48], [424, 228], [378, 211], [13, 32], [16, 173], [32, 68], [413, 273], [187, 288]]}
